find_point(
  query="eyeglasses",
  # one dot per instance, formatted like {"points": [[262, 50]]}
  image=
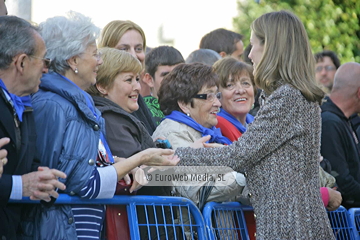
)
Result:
{"points": [[327, 68], [209, 96], [46, 61], [243, 83]]}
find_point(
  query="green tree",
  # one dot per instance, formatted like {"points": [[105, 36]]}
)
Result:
{"points": [[330, 24]]}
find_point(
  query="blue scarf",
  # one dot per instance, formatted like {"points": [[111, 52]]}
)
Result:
{"points": [[215, 133], [234, 121], [92, 109], [19, 103]]}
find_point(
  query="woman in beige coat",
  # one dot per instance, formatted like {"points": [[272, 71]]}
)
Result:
{"points": [[189, 115], [281, 149]]}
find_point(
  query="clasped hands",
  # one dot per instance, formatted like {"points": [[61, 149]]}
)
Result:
{"points": [[42, 184]]}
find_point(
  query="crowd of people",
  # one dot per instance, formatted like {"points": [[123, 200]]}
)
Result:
{"points": [[83, 108]]}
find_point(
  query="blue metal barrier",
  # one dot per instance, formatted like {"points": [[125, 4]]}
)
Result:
{"points": [[355, 220], [341, 224], [222, 220], [226, 220], [152, 206]]}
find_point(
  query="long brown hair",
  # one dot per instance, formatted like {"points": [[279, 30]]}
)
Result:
{"points": [[287, 55]]}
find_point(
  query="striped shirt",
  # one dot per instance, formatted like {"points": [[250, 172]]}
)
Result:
{"points": [[89, 219]]}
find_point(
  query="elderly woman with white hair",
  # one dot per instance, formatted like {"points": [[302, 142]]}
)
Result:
{"points": [[71, 132]]}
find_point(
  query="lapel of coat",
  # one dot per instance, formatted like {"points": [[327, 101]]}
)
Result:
{"points": [[7, 119]]}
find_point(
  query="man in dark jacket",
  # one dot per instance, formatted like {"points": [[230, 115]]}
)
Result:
{"points": [[22, 63], [339, 141]]}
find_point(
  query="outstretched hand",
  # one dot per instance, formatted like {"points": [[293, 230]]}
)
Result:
{"points": [[42, 184], [159, 157], [199, 143]]}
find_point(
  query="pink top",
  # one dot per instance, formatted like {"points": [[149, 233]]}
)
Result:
{"points": [[325, 195]]}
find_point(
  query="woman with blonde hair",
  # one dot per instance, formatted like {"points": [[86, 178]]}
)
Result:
{"points": [[116, 95], [113, 33], [71, 133], [128, 36], [280, 150]]}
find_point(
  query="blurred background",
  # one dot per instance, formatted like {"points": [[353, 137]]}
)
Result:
{"points": [[331, 24]]}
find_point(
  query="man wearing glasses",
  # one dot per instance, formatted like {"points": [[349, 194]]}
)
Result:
{"points": [[22, 63], [326, 65]]}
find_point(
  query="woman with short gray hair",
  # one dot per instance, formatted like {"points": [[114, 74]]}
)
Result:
{"points": [[71, 132]]}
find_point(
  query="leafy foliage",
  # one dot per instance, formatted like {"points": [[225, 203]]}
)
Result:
{"points": [[330, 24]]}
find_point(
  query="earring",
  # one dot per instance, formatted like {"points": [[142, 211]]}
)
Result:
{"points": [[76, 71], [188, 114]]}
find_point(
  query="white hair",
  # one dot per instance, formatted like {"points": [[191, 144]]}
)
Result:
{"points": [[67, 37]]}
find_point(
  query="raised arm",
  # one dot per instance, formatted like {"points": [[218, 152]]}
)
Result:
{"points": [[277, 122]]}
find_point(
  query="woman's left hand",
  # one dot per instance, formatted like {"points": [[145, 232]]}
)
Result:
{"points": [[159, 157], [335, 199]]}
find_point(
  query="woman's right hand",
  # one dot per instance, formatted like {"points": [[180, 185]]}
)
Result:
{"points": [[159, 157], [199, 143]]}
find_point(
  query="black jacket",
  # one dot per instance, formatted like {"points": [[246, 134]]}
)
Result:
{"points": [[19, 162], [339, 144], [126, 136], [144, 115]]}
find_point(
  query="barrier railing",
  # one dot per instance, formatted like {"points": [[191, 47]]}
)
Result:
{"points": [[191, 228], [355, 220], [341, 224], [225, 221], [222, 220]]}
